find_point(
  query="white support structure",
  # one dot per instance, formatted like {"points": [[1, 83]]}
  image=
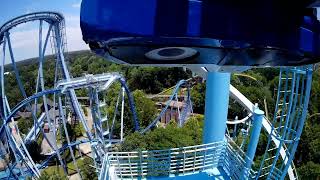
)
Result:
{"points": [[122, 112]]}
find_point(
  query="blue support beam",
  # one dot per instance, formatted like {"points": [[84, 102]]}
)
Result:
{"points": [[253, 143], [216, 108]]}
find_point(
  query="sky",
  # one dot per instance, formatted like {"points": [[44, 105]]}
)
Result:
{"points": [[24, 38]]}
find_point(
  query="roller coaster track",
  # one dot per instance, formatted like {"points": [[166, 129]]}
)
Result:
{"points": [[285, 130], [101, 82], [248, 105], [66, 86]]}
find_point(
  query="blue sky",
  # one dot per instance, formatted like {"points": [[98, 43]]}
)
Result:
{"points": [[25, 37]]}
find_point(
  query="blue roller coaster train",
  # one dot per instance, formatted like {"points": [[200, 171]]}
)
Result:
{"points": [[148, 34]]}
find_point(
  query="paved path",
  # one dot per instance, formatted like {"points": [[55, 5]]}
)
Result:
{"points": [[74, 177]]}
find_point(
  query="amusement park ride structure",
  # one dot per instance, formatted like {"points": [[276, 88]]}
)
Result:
{"points": [[148, 35]]}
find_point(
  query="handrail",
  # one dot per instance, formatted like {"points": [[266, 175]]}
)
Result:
{"points": [[177, 161], [182, 161]]}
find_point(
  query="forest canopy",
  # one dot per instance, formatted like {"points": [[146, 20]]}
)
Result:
{"points": [[152, 80]]}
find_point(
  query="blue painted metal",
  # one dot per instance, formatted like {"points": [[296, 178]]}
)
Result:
{"points": [[22, 90], [63, 89], [42, 84], [166, 163], [3, 96], [96, 116], [187, 109], [23, 160], [61, 114], [66, 74], [216, 108], [16, 71], [223, 33], [254, 139], [132, 106], [41, 76], [28, 100], [114, 116], [301, 122], [285, 115], [289, 117]]}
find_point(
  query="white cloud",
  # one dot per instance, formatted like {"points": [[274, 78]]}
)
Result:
{"points": [[24, 44], [72, 20], [76, 5], [74, 39], [74, 34], [24, 39]]}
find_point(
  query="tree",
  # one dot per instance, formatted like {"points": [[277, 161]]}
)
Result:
{"points": [[34, 150], [52, 176], [134, 141], [76, 70], [78, 129], [146, 79], [145, 108], [71, 132], [198, 97], [24, 125], [193, 128], [165, 138], [309, 171], [154, 79], [87, 170]]}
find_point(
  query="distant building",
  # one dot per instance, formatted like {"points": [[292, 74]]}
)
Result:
{"points": [[172, 113], [46, 128]]}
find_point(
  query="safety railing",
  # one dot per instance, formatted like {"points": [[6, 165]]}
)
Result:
{"points": [[176, 161], [234, 160]]}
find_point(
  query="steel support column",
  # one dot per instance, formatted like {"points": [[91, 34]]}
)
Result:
{"points": [[254, 139], [216, 108]]}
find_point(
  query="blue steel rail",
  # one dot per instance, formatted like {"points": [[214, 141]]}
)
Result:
{"points": [[101, 82], [55, 34], [175, 161], [55, 31], [290, 114], [81, 82]]}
